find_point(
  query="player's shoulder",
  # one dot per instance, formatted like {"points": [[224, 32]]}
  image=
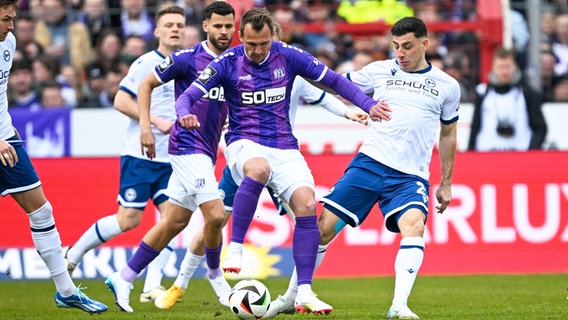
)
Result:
{"points": [[442, 76], [9, 42]]}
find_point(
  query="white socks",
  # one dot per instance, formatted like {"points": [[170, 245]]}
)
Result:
{"points": [[48, 244], [408, 261], [188, 266], [155, 270], [100, 232]]}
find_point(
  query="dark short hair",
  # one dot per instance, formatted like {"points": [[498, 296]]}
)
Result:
{"points": [[221, 8], [409, 25], [257, 18], [5, 3]]}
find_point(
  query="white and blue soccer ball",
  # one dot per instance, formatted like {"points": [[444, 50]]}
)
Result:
{"points": [[249, 299]]}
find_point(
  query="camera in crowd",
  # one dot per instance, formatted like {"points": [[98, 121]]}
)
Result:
{"points": [[505, 129]]}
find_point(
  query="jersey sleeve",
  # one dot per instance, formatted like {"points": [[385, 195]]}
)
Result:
{"points": [[450, 109], [364, 78], [303, 63], [137, 72]]}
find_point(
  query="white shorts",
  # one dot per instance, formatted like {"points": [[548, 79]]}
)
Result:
{"points": [[193, 181], [288, 168]]}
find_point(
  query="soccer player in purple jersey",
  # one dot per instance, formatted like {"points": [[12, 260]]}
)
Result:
{"points": [[391, 167], [19, 179], [192, 153], [261, 150]]}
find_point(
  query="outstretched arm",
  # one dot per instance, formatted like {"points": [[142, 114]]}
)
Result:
{"points": [[147, 139]]}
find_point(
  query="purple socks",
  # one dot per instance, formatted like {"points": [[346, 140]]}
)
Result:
{"points": [[304, 247], [244, 206]]}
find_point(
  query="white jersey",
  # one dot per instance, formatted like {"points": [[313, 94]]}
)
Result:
{"points": [[8, 47], [313, 96], [419, 101], [161, 105]]}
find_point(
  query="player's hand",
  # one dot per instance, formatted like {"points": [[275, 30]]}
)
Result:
{"points": [[380, 111], [226, 125], [444, 196], [8, 155], [189, 122], [147, 142], [357, 116], [164, 125]]}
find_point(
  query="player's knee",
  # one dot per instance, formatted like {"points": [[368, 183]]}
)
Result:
{"points": [[259, 171], [129, 221], [217, 222]]}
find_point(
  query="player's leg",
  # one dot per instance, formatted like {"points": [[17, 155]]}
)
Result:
{"points": [[137, 176], [250, 167], [101, 231], [23, 184], [408, 262], [410, 223], [155, 240], [154, 273], [329, 225]]}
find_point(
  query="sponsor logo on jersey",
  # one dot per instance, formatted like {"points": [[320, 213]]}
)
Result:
{"points": [[6, 55], [279, 73], [217, 93], [272, 95], [166, 64], [206, 74], [248, 77], [411, 86]]}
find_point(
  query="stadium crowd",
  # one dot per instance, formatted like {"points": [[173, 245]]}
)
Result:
{"points": [[81, 49]]}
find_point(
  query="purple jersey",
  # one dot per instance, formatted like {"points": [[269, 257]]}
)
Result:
{"points": [[258, 95], [184, 66]]}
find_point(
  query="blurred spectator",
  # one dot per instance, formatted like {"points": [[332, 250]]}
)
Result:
{"points": [[94, 14], [135, 20], [561, 90], [547, 25], [520, 32], [24, 32], [67, 41], [134, 47], [21, 93], [111, 85], [71, 77], [359, 60], [365, 11], [191, 36], [51, 96], [453, 64], [93, 86], [507, 114], [108, 49], [548, 76], [560, 44], [45, 69]]}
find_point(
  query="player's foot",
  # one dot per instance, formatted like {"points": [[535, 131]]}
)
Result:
{"points": [[401, 312], [79, 300], [70, 266], [221, 288], [121, 290], [169, 298], [232, 262], [279, 306], [310, 303], [151, 295]]}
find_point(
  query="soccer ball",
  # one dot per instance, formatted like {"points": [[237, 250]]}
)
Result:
{"points": [[249, 299]]}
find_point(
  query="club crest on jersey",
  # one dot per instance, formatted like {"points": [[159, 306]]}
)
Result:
{"points": [[6, 55], [165, 64], [430, 82], [206, 74], [279, 73]]}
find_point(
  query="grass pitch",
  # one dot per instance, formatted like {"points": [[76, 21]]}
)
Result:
{"points": [[434, 297]]}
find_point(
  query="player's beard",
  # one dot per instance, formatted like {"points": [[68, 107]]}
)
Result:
{"points": [[219, 46]]}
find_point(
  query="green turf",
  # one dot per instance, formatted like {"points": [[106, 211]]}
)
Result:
{"points": [[457, 298]]}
